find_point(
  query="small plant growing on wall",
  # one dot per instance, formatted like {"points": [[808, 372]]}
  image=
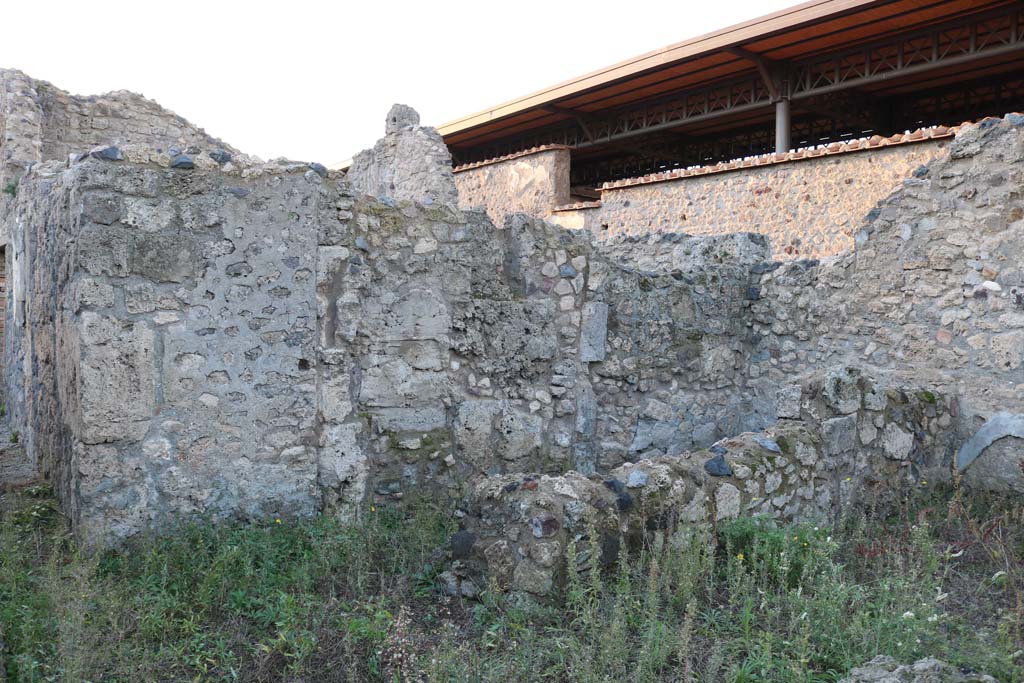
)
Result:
{"points": [[11, 188], [14, 437]]}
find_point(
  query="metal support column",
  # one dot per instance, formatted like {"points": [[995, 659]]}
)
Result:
{"points": [[782, 126]]}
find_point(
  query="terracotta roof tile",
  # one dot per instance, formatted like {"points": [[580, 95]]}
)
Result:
{"points": [[508, 157], [577, 205], [874, 142]]}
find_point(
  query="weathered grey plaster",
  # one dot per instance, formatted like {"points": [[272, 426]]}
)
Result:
{"points": [[409, 163], [999, 426]]}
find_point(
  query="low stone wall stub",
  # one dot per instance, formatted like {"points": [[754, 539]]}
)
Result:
{"points": [[815, 466]]}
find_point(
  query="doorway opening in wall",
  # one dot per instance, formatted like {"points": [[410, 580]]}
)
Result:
{"points": [[583, 192]]}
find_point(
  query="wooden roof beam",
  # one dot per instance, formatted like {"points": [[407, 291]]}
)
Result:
{"points": [[577, 116], [772, 72], [582, 120]]}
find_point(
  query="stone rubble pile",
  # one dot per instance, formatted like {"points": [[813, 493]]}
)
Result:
{"points": [[883, 669], [847, 440]]}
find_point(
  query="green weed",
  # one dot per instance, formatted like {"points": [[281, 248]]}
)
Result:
{"points": [[321, 600]]}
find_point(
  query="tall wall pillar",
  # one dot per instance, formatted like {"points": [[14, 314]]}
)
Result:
{"points": [[782, 126]]}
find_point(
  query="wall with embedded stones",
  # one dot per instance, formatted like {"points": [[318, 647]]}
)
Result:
{"points": [[517, 530], [532, 183], [264, 341], [192, 334], [933, 293], [808, 208], [452, 350], [42, 122], [411, 162], [808, 205], [196, 339], [168, 341], [21, 123], [885, 368], [38, 122]]}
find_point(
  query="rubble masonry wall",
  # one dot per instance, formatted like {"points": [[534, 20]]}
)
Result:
{"points": [[532, 183], [251, 340], [39, 121], [808, 208]]}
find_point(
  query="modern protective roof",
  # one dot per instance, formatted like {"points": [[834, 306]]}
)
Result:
{"points": [[797, 35]]}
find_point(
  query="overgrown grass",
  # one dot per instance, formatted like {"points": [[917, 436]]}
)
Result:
{"points": [[323, 601], [208, 602]]}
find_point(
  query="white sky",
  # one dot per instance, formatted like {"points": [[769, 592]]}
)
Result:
{"points": [[313, 80]]}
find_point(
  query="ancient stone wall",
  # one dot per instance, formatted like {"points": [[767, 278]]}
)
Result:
{"points": [[517, 529], [191, 334], [409, 163], [39, 121], [453, 350], [808, 208], [32, 332], [263, 341], [934, 291], [931, 295], [877, 365], [533, 183], [21, 118], [72, 124], [168, 354], [3, 291]]}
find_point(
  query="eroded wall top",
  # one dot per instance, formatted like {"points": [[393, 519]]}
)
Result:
{"points": [[411, 163], [41, 122]]}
